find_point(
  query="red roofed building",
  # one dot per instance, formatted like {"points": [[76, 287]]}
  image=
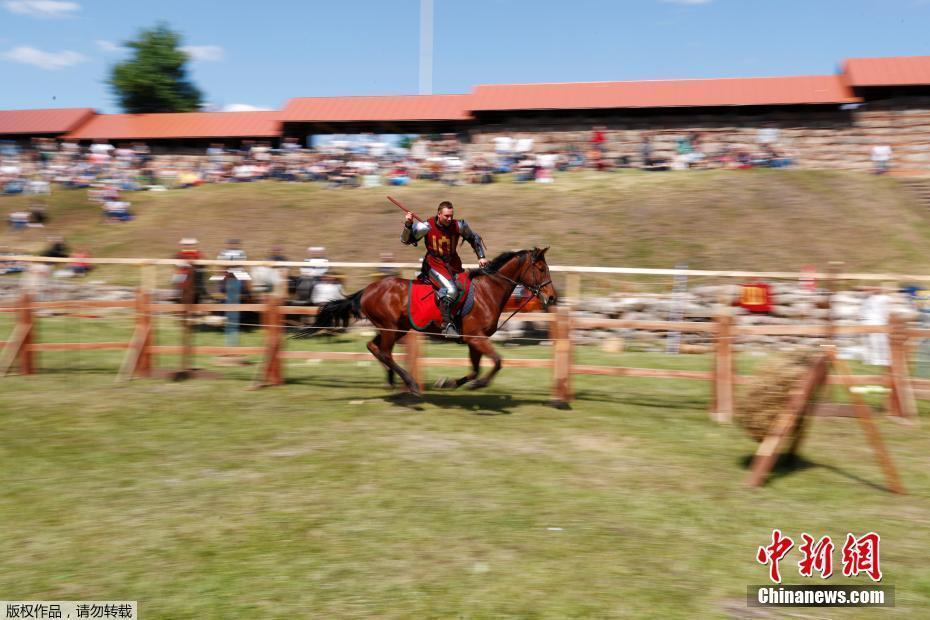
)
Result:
{"points": [[184, 129], [771, 91], [23, 125], [821, 121], [306, 116], [897, 71]]}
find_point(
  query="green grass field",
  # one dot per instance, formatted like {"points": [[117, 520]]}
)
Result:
{"points": [[324, 499], [769, 220]]}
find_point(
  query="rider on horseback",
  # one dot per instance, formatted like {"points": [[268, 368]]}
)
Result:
{"points": [[442, 264]]}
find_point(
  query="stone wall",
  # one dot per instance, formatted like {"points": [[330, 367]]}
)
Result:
{"points": [[793, 306], [829, 138]]}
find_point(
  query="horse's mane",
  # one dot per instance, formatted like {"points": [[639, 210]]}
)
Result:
{"points": [[499, 261]]}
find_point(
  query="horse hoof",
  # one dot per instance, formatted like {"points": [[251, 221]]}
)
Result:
{"points": [[477, 385], [445, 383]]}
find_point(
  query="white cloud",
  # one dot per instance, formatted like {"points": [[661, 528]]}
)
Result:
{"points": [[244, 107], [42, 8], [49, 61], [109, 46], [204, 52]]}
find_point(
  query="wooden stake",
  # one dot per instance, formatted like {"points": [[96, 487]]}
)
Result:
{"points": [[781, 428], [138, 360], [795, 416], [723, 369], [864, 414], [902, 401], [272, 374], [561, 333], [19, 347]]}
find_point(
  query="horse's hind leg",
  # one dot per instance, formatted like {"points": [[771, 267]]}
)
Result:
{"points": [[373, 346], [483, 347], [382, 349]]}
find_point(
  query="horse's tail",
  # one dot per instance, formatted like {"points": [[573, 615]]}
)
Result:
{"points": [[339, 313]]}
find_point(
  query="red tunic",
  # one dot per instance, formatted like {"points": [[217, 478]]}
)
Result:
{"points": [[441, 244], [189, 254]]}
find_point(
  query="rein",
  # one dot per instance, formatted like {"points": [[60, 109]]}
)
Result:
{"points": [[536, 289]]}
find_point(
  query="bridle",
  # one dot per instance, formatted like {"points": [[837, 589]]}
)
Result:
{"points": [[536, 289]]}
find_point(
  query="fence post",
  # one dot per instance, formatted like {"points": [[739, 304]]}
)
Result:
{"points": [[723, 368], [561, 333], [144, 317], [901, 400], [144, 325], [413, 350], [273, 341], [138, 360], [27, 361], [19, 347]]}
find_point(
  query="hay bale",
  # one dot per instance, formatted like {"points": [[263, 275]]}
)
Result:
{"points": [[769, 391]]}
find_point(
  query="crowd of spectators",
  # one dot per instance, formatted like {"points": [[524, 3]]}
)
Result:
{"points": [[106, 170]]}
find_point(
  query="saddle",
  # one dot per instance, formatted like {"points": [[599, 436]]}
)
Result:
{"points": [[423, 308]]}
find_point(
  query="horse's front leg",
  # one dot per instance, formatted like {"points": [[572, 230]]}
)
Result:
{"points": [[483, 346], [450, 383]]}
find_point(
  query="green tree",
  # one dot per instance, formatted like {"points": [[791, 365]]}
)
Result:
{"points": [[155, 78]]}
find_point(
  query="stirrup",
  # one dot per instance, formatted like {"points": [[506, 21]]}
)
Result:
{"points": [[450, 331]]}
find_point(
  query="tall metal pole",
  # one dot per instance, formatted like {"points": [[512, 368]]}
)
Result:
{"points": [[426, 47]]}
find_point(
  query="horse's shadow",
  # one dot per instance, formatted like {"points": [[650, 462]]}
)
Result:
{"points": [[471, 402]]}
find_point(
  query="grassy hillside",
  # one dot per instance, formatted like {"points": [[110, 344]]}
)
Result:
{"points": [[760, 219]]}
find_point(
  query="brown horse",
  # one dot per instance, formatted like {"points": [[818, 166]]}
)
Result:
{"points": [[385, 304]]}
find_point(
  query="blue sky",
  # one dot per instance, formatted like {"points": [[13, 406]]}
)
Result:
{"points": [[56, 53]]}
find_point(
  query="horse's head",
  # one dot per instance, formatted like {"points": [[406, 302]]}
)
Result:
{"points": [[536, 277]]}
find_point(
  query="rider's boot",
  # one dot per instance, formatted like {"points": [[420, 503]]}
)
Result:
{"points": [[448, 325]]}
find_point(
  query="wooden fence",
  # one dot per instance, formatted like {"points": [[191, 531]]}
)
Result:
{"points": [[20, 350]]}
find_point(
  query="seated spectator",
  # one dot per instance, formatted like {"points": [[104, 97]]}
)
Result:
{"points": [[38, 187], [117, 211], [546, 165], [81, 267], [57, 248], [317, 263], [774, 158], [386, 270], [14, 186], [189, 178], [525, 169], [743, 160], [327, 289], [683, 150], [244, 173], [452, 170], [38, 216], [18, 220], [399, 176]]}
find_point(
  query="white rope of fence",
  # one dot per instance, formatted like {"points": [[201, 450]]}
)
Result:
{"points": [[772, 275]]}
